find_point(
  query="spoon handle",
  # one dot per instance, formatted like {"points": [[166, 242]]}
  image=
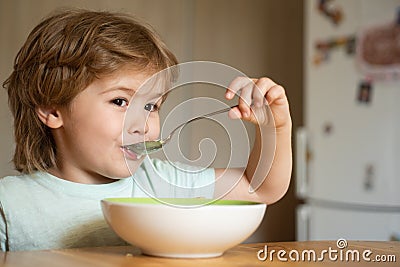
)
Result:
{"points": [[198, 118], [216, 112]]}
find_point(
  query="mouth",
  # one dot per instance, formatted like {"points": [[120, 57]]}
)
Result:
{"points": [[129, 154]]}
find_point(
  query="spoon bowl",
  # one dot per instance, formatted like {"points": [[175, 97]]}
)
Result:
{"points": [[147, 147]]}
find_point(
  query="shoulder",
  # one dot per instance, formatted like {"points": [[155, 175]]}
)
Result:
{"points": [[13, 186], [12, 181]]}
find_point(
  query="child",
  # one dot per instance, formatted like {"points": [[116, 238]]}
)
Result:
{"points": [[71, 85]]}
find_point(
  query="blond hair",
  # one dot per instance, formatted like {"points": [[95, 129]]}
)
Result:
{"points": [[61, 57]]}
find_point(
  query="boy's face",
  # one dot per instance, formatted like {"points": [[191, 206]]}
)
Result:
{"points": [[89, 143]]}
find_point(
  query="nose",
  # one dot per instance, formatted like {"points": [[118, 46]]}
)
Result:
{"points": [[142, 129], [138, 127], [136, 122]]}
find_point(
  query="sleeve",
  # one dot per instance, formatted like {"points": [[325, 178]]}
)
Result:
{"points": [[3, 230], [166, 179], [3, 220]]}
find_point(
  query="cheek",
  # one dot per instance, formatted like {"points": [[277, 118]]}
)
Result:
{"points": [[154, 128], [99, 127]]}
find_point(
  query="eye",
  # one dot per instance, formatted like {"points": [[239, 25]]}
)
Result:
{"points": [[121, 102], [151, 107]]}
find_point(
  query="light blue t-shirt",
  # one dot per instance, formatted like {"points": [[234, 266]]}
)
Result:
{"points": [[41, 211]]}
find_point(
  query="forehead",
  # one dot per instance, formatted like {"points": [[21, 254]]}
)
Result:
{"points": [[153, 84], [142, 82]]}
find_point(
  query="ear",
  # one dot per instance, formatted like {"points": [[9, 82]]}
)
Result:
{"points": [[50, 116]]}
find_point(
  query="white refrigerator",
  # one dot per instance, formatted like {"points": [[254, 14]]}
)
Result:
{"points": [[348, 152]]}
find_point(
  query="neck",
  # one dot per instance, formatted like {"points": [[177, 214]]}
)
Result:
{"points": [[79, 176]]}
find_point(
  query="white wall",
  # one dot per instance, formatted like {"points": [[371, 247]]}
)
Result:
{"points": [[230, 32], [17, 18], [258, 37]]}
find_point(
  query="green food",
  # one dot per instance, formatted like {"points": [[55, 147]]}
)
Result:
{"points": [[146, 147], [181, 201], [153, 145]]}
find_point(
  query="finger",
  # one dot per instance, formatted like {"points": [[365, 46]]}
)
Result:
{"points": [[235, 86], [245, 100], [276, 94], [262, 86], [234, 113], [258, 96]]}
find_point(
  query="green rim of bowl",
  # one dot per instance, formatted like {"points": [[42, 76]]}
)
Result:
{"points": [[182, 201]]}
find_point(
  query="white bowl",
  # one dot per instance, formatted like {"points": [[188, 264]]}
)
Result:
{"points": [[182, 228]]}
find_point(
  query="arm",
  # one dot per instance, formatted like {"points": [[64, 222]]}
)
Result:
{"points": [[3, 230], [270, 184]]}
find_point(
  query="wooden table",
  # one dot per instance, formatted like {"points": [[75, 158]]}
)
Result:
{"points": [[242, 255]]}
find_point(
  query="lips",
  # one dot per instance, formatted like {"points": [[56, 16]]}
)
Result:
{"points": [[130, 154]]}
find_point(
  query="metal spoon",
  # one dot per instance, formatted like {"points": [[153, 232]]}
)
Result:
{"points": [[148, 147]]}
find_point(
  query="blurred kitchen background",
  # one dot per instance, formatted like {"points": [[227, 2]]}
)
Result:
{"points": [[344, 118]]}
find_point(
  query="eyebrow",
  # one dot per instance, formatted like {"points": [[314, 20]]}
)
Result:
{"points": [[130, 92]]}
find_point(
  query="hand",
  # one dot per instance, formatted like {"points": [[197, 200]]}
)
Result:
{"points": [[253, 95]]}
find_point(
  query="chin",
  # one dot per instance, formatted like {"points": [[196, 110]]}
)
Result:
{"points": [[124, 168], [118, 173], [132, 165], [118, 178]]}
